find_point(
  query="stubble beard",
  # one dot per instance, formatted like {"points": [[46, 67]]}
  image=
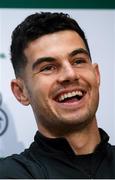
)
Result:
{"points": [[61, 127]]}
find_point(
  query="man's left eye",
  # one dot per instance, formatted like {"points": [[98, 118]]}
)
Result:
{"points": [[79, 61]]}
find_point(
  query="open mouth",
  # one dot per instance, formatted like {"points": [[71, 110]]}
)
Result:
{"points": [[70, 97]]}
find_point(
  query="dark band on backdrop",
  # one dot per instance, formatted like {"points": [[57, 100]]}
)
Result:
{"points": [[74, 4]]}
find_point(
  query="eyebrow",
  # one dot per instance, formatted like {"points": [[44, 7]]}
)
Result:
{"points": [[41, 60], [51, 59], [79, 51]]}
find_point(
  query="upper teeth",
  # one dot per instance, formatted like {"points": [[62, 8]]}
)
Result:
{"points": [[70, 94]]}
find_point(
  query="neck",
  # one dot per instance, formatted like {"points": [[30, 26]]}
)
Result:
{"points": [[82, 142], [85, 141]]}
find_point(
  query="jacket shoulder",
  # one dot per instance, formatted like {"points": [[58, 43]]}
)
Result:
{"points": [[19, 167], [113, 148], [12, 166]]}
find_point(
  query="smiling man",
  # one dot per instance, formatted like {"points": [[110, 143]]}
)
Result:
{"points": [[56, 76]]}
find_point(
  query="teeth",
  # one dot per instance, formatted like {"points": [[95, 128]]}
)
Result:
{"points": [[70, 94]]}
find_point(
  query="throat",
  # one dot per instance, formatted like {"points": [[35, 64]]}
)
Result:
{"points": [[84, 142]]}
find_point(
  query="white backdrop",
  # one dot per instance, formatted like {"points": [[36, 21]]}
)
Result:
{"points": [[99, 26]]}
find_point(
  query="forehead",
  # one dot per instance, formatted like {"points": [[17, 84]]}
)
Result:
{"points": [[55, 44]]}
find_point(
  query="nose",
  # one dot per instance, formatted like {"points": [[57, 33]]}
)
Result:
{"points": [[68, 73]]}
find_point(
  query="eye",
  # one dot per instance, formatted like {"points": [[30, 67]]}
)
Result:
{"points": [[79, 61], [48, 68]]}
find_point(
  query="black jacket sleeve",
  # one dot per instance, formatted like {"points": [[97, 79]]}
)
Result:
{"points": [[17, 167]]}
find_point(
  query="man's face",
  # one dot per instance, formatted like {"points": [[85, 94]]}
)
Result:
{"points": [[62, 83]]}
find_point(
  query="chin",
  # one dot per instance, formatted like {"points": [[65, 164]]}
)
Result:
{"points": [[77, 122]]}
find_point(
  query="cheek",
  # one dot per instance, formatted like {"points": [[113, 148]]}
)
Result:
{"points": [[95, 81], [42, 88], [91, 77], [46, 82], [90, 81]]}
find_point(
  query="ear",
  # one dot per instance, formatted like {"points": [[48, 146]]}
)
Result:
{"points": [[19, 91], [97, 73]]}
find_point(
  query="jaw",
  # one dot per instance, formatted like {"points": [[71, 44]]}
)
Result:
{"points": [[68, 116], [76, 110]]}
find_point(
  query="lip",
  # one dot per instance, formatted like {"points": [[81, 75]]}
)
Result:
{"points": [[72, 105], [62, 92]]}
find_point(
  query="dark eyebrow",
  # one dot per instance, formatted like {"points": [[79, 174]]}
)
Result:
{"points": [[79, 51], [51, 59], [41, 60]]}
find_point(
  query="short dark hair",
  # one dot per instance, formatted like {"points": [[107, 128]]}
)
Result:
{"points": [[35, 26]]}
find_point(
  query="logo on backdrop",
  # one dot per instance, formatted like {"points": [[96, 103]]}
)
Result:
{"points": [[3, 119], [2, 56]]}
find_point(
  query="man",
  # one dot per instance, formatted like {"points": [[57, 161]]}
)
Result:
{"points": [[56, 76]]}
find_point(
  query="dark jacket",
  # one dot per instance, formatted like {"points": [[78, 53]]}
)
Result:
{"points": [[54, 158]]}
